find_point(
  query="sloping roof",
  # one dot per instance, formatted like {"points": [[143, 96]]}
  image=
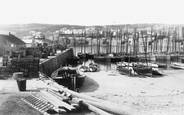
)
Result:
{"points": [[12, 39]]}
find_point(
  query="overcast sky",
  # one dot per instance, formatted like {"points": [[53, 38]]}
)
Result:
{"points": [[91, 12]]}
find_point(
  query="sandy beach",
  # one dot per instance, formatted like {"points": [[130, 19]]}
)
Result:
{"points": [[151, 95]]}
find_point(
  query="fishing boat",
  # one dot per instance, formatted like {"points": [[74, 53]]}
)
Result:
{"points": [[73, 60], [115, 58], [177, 65], [65, 75], [130, 58], [150, 69], [84, 68], [140, 68], [125, 68], [89, 56], [81, 55], [162, 65], [156, 73], [93, 67], [102, 59], [143, 70]]}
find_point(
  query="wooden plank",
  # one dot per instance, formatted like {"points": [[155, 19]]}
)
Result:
{"points": [[91, 107], [58, 102]]}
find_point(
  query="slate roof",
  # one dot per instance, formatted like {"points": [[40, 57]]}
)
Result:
{"points": [[12, 39]]}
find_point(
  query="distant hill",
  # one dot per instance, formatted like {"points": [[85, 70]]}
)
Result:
{"points": [[22, 30]]}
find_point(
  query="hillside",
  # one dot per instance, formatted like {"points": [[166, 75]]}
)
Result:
{"points": [[22, 30]]}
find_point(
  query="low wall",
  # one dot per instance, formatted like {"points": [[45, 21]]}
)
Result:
{"points": [[54, 63]]}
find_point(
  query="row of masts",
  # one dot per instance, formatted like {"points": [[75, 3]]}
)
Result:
{"points": [[138, 41]]}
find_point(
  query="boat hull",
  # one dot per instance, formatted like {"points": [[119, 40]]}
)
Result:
{"points": [[89, 56], [102, 59], [177, 65], [145, 71], [115, 59], [124, 71], [64, 76], [68, 82]]}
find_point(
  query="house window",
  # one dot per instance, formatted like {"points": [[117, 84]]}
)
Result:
{"points": [[12, 45]]}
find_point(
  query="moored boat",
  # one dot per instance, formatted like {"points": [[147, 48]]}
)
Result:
{"points": [[125, 68], [93, 67], [162, 65], [73, 60], [102, 59], [177, 65], [156, 73], [143, 70], [65, 75], [89, 56], [81, 55]]}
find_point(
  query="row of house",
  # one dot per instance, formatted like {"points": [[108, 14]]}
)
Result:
{"points": [[9, 42]]}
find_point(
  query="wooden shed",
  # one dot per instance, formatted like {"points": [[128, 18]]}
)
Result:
{"points": [[10, 42]]}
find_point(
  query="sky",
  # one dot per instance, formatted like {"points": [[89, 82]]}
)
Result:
{"points": [[91, 12]]}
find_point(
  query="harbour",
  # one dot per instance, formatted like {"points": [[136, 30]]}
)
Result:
{"points": [[109, 84], [91, 57]]}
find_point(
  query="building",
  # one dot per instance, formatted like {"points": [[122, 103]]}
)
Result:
{"points": [[10, 42], [28, 40]]}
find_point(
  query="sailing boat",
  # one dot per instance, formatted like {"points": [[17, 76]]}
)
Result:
{"points": [[147, 69], [100, 57], [80, 54], [139, 68], [177, 65], [90, 55], [115, 57], [74, 60], [125, 67]]}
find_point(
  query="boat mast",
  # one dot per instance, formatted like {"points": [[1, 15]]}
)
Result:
{"points": [[175, 38], [127, 38], [74, 42], [81, 42], [91, 42], [117, 37], [144, 45], [156, 44], [134, 40], [151, 39], [183, 36], [168, 41], [99, 41], [110, 40], [121, 40], [84, 41]]}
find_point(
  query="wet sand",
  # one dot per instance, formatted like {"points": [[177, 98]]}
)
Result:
{"points": [[153, 95]]}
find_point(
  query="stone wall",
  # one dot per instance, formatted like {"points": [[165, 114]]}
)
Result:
{"points": [[54, 63]]}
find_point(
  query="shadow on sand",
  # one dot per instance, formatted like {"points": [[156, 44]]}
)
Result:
{"points": [[89, 85]]}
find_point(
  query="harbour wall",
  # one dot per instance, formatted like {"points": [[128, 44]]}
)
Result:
{"points": [[51, 64], [163, 58]]}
